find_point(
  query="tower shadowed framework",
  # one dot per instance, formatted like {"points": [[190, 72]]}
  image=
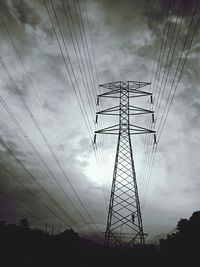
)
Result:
{"points": [[124, 222]]}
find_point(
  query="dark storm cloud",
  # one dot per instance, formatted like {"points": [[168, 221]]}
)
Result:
{"points": [[124, 17], [27, 189], [124, 35], [28, 30], [9, 184], [187, 6], [121, 23], [154, 21], [19, 14], [25, 13]]}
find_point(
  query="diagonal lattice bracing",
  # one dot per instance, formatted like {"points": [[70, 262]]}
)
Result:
{"points": [[124, 221]]}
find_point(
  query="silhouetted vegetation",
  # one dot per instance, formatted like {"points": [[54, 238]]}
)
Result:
{"points": [[184, 245], [23, 246]]}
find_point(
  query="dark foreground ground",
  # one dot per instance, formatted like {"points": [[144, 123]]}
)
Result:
{"points": [[21, 246], [24, 247]]}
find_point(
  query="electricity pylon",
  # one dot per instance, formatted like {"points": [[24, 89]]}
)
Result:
{"points": [[124, 221]]}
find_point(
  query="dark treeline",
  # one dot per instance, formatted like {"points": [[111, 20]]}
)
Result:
{"points": [[184, 245], [22, 246]]}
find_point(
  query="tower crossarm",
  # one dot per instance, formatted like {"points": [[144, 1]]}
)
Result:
{"points": [[119, 84], [133, 110], [115, 93], [115, 129], [124, 221]]}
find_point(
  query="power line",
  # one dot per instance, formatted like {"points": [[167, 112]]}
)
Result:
{"points": [[35, 121], [82, 70], [178, 80], [159, 100], [97, 156], [72, 84], [3, 144], [33, 147], [105, 144], [82, 109], [16, 203], [31, 193], [85, 45], [86, 51], [176, 72], [49, 171], [147, 147], [46, 142]]}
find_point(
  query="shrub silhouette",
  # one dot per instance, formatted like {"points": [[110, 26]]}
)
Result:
{"points": [[20, 245], [184, 244], [24, 223]]}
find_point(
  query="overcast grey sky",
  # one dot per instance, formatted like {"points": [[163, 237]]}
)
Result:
{"points": [[47, 160]]}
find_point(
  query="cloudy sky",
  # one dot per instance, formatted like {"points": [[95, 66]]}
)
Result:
{"points": [[53, 55]]}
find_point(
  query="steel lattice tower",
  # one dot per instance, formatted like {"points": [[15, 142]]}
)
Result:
{"points": [[124, 221]]}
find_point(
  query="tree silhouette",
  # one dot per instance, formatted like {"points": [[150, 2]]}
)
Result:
{"points": [[39, 248], [2, 224], [24, 223], [183, 226], [185, 243], [20, 245]]}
